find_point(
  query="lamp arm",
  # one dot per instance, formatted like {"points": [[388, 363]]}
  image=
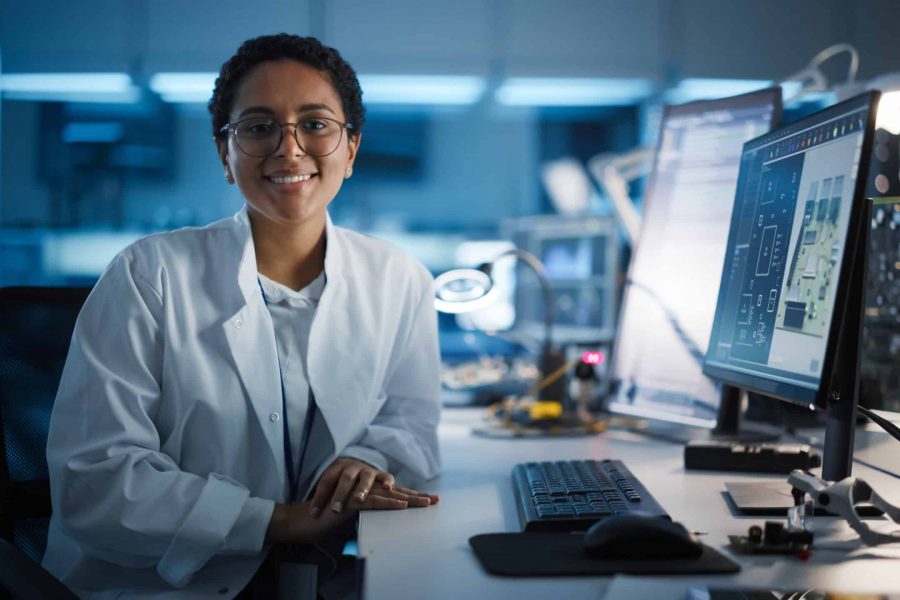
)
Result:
{"points": [[549, 300]]}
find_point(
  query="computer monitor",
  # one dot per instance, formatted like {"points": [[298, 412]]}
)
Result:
{"points": [[670, 292], [787, 318], [580, 255]]}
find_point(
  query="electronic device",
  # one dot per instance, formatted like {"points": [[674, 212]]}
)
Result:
{"points": [[637, 536], [580, 256], [789, 309], [573, 495], [723, 455], [880, 375], [669, 297]]}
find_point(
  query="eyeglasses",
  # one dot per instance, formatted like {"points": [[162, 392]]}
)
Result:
{"points": [[262, 136]]}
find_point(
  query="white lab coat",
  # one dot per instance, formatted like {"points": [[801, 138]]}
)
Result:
{"points": [[165, 450]]}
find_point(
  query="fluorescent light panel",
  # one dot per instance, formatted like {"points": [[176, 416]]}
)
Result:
{"points": [[557, 91], [186, 88], [377, 89], [705, 88], [422, 89], [69, 87]]}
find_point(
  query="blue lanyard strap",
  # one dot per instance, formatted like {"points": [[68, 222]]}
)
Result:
{"points": [[293, 475]]}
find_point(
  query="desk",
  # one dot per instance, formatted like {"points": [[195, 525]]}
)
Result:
{"points": [[424, 553]]}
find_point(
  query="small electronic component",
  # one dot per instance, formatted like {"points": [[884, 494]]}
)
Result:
{"points": [[773, 538]]}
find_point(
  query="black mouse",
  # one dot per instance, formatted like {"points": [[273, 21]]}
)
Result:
{"points": [[635, 536]]}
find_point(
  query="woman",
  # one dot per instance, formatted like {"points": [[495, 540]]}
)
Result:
{"points": [[256, 381]]}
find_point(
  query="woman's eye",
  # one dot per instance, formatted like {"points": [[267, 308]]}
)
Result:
{"points": [[313, 125], [259, 127]]}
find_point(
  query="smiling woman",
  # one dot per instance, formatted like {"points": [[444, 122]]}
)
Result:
{"points": [[201, 423], [287, 180]]}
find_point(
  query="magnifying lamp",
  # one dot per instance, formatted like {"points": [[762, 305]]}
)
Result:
{"points": [[464, 290]]}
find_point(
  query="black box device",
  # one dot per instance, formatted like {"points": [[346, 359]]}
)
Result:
{"points": [[753, 458]]}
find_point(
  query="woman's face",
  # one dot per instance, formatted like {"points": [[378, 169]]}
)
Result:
{"points": [[288, 91]]}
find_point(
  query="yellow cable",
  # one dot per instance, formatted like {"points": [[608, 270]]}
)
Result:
{"points": [[553, 376]]}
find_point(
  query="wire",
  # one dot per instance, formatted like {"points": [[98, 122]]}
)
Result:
{"points": [[812, 78], [820, 446], [553, 376], [880, 421], [833, 51]]}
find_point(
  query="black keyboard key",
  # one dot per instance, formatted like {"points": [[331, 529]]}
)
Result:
{"points": [[573, 495]]}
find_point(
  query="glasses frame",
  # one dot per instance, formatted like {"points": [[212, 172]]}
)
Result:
{"points": [[232, 129]]}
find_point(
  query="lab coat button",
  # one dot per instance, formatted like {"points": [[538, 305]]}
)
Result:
{"points": [[238, 322], [275, 417]]}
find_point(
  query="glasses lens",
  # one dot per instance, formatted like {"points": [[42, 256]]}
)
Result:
{"points": [[258, 137], [319, 136], [261, 137]]}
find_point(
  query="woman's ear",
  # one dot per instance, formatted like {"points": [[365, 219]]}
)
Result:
{"points": [[222, 150], [352, 149]]}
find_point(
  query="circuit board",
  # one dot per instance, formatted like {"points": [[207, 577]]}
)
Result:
{"points": [[806, 299]]}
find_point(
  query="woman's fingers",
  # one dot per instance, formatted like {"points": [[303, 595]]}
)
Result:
{"points": [[345, 483], [324, 491], [412, 500], [376, 502], [386, 480], [433, 498], [366, 481]]}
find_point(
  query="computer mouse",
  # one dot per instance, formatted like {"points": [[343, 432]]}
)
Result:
{"points": [[636, 536]]}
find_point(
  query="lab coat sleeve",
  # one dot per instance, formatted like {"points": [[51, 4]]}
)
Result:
{"points": [[402, 437], [112, 488]]}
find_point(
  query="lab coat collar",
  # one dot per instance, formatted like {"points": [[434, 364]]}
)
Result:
{"points": [[247, 270]]}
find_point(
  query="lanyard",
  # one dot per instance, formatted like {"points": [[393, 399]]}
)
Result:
{"points": [[293, 476]]}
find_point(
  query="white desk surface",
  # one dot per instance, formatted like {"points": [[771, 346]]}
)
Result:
{"points": [[425, 553]]}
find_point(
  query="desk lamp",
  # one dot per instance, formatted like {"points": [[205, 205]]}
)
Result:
{"points": [[463, 290]]}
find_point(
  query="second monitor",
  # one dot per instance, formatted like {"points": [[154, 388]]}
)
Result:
{"points": [[670, 293]]}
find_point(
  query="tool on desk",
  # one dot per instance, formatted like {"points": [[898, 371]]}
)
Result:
{"points": [[544, 409], [721, 455], [842, 498], [531, 414]]}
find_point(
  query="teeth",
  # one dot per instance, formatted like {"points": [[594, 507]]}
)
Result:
{"points": [[292, 179]]}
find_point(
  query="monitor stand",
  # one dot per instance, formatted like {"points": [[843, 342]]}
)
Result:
{"points": [[728, 419], [843, 394]]}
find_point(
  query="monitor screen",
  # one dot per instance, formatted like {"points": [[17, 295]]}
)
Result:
{"points": [[580, 257], [799, 194], [670, 292]]}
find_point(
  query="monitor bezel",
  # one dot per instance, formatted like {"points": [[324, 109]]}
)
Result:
{"points": [[791, 392], [773, 94]]}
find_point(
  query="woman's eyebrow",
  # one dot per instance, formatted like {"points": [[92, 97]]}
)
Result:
{"points": [[268, 111], [311, 107], [255, 109]]}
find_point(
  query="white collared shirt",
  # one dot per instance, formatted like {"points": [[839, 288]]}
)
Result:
{"points": [[292, 313]]}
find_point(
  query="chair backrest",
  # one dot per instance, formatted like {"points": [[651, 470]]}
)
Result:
{"points": [[36, 326], [23, 579]]}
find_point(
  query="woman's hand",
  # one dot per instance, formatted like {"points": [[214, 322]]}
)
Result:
{"points": [[295, 523], [344, 479]]}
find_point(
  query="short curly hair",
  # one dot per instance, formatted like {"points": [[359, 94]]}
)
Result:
{"points": [[307, 50]]}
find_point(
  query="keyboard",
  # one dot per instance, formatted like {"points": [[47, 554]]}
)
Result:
{"points": [[572, 495]]}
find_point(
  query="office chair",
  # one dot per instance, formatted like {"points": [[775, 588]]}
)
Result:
{"points": [[22, 578], [34, 340]]}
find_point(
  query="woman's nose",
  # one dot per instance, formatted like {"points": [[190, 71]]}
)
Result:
{"points": [[290, 146]]}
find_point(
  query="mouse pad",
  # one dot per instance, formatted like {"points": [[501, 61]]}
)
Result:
{"points": [[537, 554]]}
